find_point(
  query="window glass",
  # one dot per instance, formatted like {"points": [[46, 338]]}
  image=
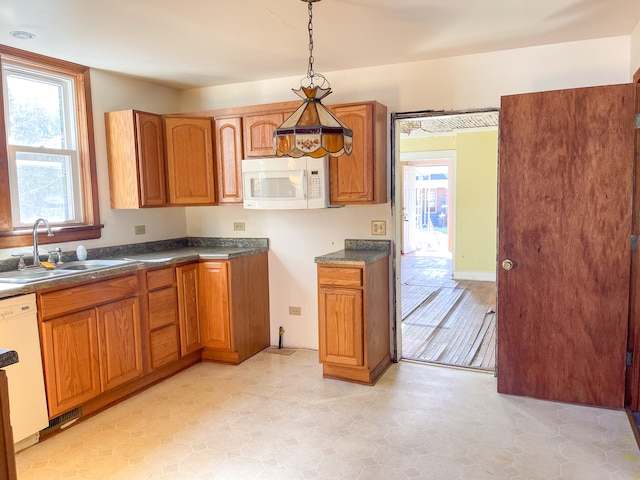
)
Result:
{"points": [[41, 134]]}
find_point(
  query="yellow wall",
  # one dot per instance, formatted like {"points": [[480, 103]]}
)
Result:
{"points": [[475, 200], [425, 144]]}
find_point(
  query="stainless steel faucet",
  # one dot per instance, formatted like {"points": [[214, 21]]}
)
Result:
{"points": [[36, 255]]}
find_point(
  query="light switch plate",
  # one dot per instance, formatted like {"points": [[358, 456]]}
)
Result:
{"points": [[378, 227], [295, 310]]}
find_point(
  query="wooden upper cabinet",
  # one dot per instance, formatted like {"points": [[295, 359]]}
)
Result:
{"points": [[361, 177], [258, 133], [135, 151], [228, 160], [190, 160]]}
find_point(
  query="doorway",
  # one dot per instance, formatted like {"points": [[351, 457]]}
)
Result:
{"points": [[447, 262]]}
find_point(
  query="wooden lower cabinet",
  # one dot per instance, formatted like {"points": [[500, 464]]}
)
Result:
{"points": [[91, 340], [188, 305], [234, 307], [353, 321]]}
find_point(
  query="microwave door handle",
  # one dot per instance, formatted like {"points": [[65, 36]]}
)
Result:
{"points": [[304, 183]]}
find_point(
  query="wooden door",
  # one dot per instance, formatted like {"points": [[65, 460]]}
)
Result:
{"points": [[189, 319], [341, 326], [120, 342], [150, 143], [190, 161], [258, 134], [566, 171], [70, 359], [229, 160], [215, 315]]}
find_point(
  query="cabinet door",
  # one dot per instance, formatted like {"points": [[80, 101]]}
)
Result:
{"points": [[341, 326], [70, 357], [214, 313], [120, 342], [229, 160], [361, 178], [258, 134], [150, 142], [190, 161], [351, 177], [188, 315], [135, 151]]}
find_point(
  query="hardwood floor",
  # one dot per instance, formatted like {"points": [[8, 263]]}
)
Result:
{"points": [[444, 320]]}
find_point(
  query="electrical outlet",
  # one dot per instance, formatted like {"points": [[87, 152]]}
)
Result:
{"points": [[140, 229], [378, 227], [295, 310], [238, 226]]}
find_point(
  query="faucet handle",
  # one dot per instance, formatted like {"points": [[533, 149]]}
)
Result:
{"points": [[21, 264], [58, 253]]}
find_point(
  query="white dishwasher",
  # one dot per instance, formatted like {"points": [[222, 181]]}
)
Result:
{"points": [[27, 398]]}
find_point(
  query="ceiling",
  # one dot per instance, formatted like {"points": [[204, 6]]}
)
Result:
{"points": [[194, 43]]}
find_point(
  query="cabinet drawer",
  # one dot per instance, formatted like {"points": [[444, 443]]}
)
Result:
{"points": [[164, 346], [56, 303], [160, 278], [346, 276], [162, 307]]}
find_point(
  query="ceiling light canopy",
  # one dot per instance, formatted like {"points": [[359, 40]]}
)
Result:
{"points": [[312, 129]]}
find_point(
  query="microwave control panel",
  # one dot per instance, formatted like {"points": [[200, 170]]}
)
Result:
{"points": [[314, 184]]}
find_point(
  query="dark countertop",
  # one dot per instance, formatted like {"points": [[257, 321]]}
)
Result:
{"points": [[358, 252], [142, 258], [8, 357]]}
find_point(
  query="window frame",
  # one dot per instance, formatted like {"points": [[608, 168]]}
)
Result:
{"points": [[90, 228]]}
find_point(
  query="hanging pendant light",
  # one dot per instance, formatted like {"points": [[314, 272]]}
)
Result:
{"points": [[312, 129]]}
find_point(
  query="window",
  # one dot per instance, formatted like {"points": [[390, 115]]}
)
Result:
{"points": [[46, 130]]}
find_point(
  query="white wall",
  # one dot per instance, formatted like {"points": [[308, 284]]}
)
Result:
{"points": [[109, 93], [474, 81], [635, 49]]}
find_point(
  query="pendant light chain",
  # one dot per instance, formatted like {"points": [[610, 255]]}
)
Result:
{"points": [[310, 71]]}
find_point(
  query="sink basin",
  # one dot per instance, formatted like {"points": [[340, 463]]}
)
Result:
{"points": [[149, 259], [83, 265], [29, 275]]}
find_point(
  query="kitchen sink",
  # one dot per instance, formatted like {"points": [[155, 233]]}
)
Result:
{"points": [[82, 265], [31, 274]]}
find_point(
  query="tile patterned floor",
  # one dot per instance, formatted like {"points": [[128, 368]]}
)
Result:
{"points": [[274, 417]]}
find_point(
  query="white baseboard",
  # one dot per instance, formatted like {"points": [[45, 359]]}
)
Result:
{"points": [[477, 276]]}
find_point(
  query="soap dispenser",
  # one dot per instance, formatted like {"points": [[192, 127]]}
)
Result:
{"points": [[81, 253]]}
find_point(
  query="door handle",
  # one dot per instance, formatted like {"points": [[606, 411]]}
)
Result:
{"points": [[507, 264]]}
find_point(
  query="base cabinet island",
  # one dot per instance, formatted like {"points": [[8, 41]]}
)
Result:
{"points": [[353, 311]]}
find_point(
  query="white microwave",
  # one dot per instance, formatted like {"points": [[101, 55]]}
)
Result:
{"points": [[282, 183]]}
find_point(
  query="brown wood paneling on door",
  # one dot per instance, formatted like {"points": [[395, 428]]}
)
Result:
{"points": [[565, 203]]}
